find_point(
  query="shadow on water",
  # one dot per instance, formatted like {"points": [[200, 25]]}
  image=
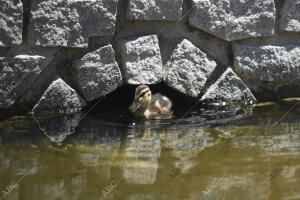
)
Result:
{"points": [[113, 110], [213, 153]]}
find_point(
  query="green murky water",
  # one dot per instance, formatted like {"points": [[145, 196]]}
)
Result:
{"points": [[210, 155]]}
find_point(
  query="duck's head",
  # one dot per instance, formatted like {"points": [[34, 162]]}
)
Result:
{"points": [[141, 100]]}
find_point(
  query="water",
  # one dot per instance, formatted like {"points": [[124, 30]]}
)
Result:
{"points": [[211, 155]]}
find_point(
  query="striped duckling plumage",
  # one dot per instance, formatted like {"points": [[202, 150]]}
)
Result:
{"points": [[150, 106]]}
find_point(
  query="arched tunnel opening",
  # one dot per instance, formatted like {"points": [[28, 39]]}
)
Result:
{"points": [[115, 105]]}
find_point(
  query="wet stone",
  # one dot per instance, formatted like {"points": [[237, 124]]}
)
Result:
{"points": [[188, 69], [234, 20], [59, 97], [11, 22], [155, 10], [70, 23], [98, 73], [142, 60]]}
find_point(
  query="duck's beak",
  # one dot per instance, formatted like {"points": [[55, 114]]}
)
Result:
{"points": [[134, 106]]}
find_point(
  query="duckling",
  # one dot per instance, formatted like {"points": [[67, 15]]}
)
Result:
{"points": [[150, 106]]}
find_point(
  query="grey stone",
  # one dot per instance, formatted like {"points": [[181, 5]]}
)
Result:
{"points": [[268, 67], [234, 19], [57, 128], [17, 74], [188, 69], [11, 22], [154, 10], [228, 88], [98, 73], [70, 23], [59, 96], [290, 16], [142, 60]]}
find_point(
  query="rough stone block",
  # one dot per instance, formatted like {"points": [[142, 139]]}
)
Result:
{"points": [[17, 74], [70, 23], [268, 66], [59, 96], [142, 60], [290, 16], [170, 10], [234, 20], [228, 88], [188, 69], [98, 73], [268, 63], [11, 22]]}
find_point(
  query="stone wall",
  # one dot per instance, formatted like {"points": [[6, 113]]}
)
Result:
{"points": [[64, 54]]}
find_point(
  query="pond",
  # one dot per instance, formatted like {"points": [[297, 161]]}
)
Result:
{"points": [[236, 153]]}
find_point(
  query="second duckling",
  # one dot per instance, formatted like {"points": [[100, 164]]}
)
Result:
{"points": [[150, 106]]}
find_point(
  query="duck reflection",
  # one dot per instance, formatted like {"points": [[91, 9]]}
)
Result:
{"points": [[107, 147]]}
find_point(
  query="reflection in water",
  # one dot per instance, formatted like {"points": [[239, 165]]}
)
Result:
{"points": [[141, 197], [5, 162], [25, 166], [97, 146], [185, 145], [282, 139], [49, 190], [57, 128], [141, 158], [220, 159]]}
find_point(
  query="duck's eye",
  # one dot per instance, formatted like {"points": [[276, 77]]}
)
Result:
{"points": [[143, 94]]}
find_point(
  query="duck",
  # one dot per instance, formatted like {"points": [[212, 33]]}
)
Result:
{"points": [[150, 106]]}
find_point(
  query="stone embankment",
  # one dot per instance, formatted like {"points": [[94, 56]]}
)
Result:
{"points": [[64, 54]]}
